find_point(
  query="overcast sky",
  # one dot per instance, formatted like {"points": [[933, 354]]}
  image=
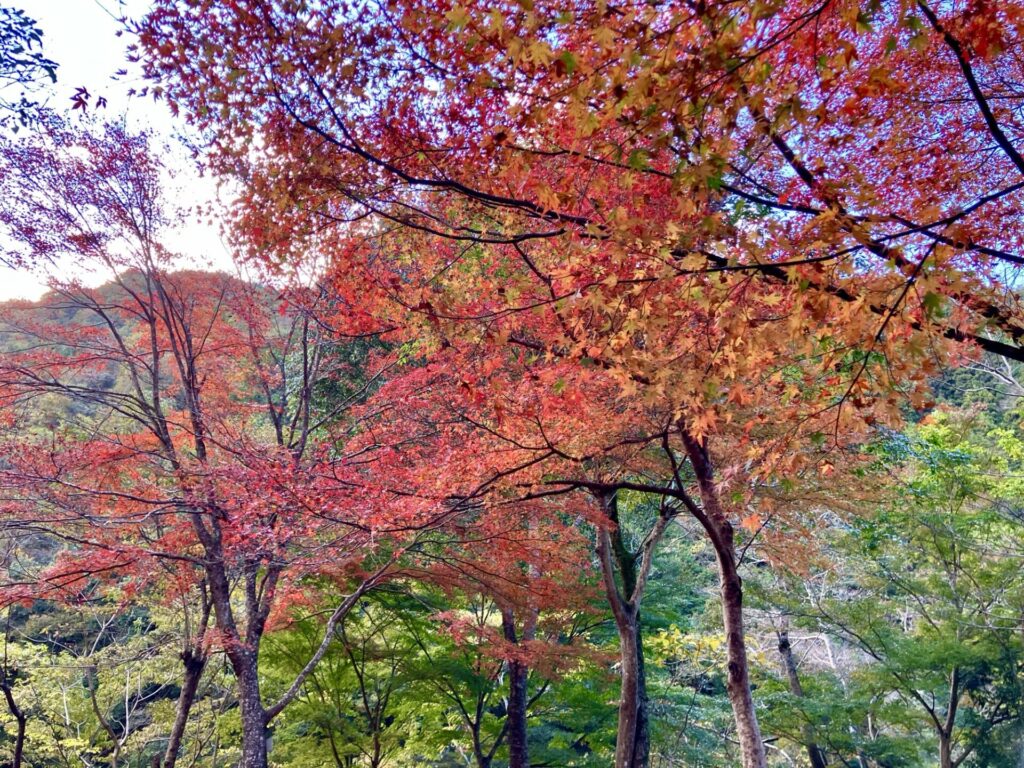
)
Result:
{"points": [[80, 35]]}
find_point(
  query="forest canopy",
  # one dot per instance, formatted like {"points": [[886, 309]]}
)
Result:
{"points": [[598, 384]]}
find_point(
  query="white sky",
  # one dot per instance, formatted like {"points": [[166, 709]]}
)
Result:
{"points": [[80, 35]]}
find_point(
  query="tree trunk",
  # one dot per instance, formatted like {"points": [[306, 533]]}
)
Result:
{"points": [[19, 717], [629, 695], [632, 742], [195, 663], [642, 747], [92, 682], [378, 757], [738, 677], [242, 653], [483, 760], [715, 521], [946, 731], [254, 718], [814, 752], [945, 751], [518, 673], [518, 752], [632, 745]]}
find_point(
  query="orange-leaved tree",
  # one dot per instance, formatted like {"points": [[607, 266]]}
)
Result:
{"points": [[534, 430], [737, 234]]}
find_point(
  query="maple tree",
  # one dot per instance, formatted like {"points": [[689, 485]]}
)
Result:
{"points": [[927, 587], [638, 127], [524, 559], [631, 264], [196, 457], [535, 437], [703, 203], [530, 568]]}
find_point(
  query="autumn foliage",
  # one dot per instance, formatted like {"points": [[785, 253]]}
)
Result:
{"points": [[701, 252]]}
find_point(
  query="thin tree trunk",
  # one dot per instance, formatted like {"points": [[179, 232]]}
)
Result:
{"points": [[629, 695], [946, 731], [632, 746], [945, 752], [814, 752], [518, 751], [242, 653], [194, 657], [720, 532], [93, 682], [518, 673], [632, 742], [483, 760], [19, 717], [738, 676], [377, 756], [195, 663], [642, 747]]}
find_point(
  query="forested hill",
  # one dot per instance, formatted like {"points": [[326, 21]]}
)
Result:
{"points": [[81, 311]]}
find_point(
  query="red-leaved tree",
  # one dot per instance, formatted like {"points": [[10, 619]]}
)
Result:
{"points": [[166, 426]]}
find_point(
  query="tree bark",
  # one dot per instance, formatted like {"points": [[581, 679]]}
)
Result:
{"points": [[244, 658], [19, 717], [629, 696], [242, 653], [945, 752], [642, 747], [632, 747], [92, 681], [814, 752], [518, 673], [483, 759], [945, 732], [715, 521], [254, 718], [515, 733], [195, 663], [738, 676], [632, 742], [194, 657]]}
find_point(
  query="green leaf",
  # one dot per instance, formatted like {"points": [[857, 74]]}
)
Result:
{"points": [[569, 61], [638, 160], [932, 303]]}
